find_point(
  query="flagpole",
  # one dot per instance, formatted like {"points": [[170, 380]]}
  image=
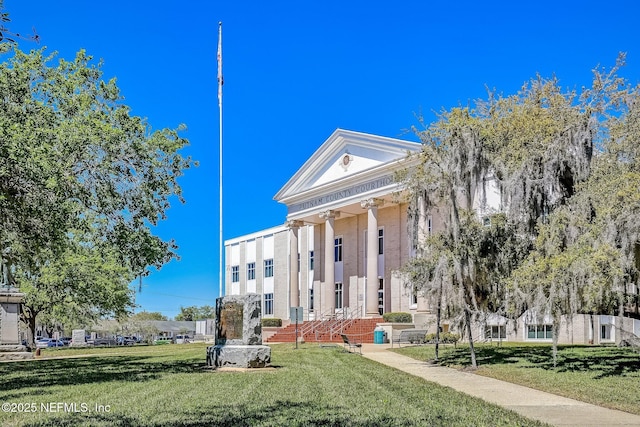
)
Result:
{"points": [[220, 83]]}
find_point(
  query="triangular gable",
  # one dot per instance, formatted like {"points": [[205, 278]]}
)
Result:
{"points": [[343, 155]]}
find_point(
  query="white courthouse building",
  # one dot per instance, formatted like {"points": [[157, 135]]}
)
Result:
{"points": [[344, 238]]}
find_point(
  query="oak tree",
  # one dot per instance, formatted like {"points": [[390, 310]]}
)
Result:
{"points": [[77, 169]]}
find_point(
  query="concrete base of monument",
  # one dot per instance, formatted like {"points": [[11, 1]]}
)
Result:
{"points": [[239, 356], [14, 352], [251, 370]]}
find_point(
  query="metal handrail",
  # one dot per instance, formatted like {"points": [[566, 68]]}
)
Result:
{"points": [[355, 314], [333, 322], [306, 328], [347, 318]]}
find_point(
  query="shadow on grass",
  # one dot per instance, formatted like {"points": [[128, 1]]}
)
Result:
{"points": [[74, 371], [285, 413], [606, 361]]}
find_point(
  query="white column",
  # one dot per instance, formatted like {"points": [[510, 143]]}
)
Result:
{"points": [[372, 256], [294, 286], [328, 296]]}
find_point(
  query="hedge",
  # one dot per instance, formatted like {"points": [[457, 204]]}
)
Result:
{"points": [[268, 322], [397, 317], [445, 337]]}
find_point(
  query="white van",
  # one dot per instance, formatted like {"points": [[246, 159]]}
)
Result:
{"points": [[182, 339]]}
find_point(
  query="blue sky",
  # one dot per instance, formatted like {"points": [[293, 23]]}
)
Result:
{"points": [[294, 71]]}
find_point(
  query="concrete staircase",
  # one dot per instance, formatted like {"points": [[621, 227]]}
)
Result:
{"points": [[328, 331]]}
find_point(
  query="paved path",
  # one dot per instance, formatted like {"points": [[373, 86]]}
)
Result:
{"points": [[534, 404]]}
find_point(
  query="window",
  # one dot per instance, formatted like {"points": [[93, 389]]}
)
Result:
{"points": [[268, 304], [268, 267], [251, 271], [235, 273], [380, 241], [414, 296], [495, 332], [311, 299], [539, 332], [310, 260], [337, 255], [605, 332], [338, 295], [380, 296]]}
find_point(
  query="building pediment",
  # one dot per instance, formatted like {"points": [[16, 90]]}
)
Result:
{"points": [[344, 160]]}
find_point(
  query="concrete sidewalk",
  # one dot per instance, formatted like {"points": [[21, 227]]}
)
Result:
{"points": [[534, 404]]}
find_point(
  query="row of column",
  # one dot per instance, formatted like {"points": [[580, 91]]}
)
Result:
{"points": [[371, 281]]}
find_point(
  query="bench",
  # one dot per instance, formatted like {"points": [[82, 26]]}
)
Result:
{"points": [[413, 336], [351, 344]]}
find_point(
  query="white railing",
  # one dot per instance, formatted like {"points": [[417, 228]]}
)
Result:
{"points": [[332, 322], [348, 316]]}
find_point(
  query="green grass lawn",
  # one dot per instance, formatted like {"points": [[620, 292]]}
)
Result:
{"points": [[170, 386], [605, 376]]}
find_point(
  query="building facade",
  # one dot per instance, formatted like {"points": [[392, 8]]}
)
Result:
{"points": [[345, 238]]}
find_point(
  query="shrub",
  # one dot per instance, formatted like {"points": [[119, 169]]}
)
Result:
{"points": [[445, 337], [268, 322], [397, 317]]}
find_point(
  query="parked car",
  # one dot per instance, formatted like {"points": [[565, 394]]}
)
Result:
{"points": [[183, 339], [163, 340], [48, 342], [126, 340], [66, 340], [42, 343], [102, 342]]}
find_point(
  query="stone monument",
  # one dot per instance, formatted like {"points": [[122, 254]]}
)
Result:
{"points": [[11, 347], [238, 334], [79, 338]]}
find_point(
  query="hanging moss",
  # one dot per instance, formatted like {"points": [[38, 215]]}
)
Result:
{"points": [[567, 166]]}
